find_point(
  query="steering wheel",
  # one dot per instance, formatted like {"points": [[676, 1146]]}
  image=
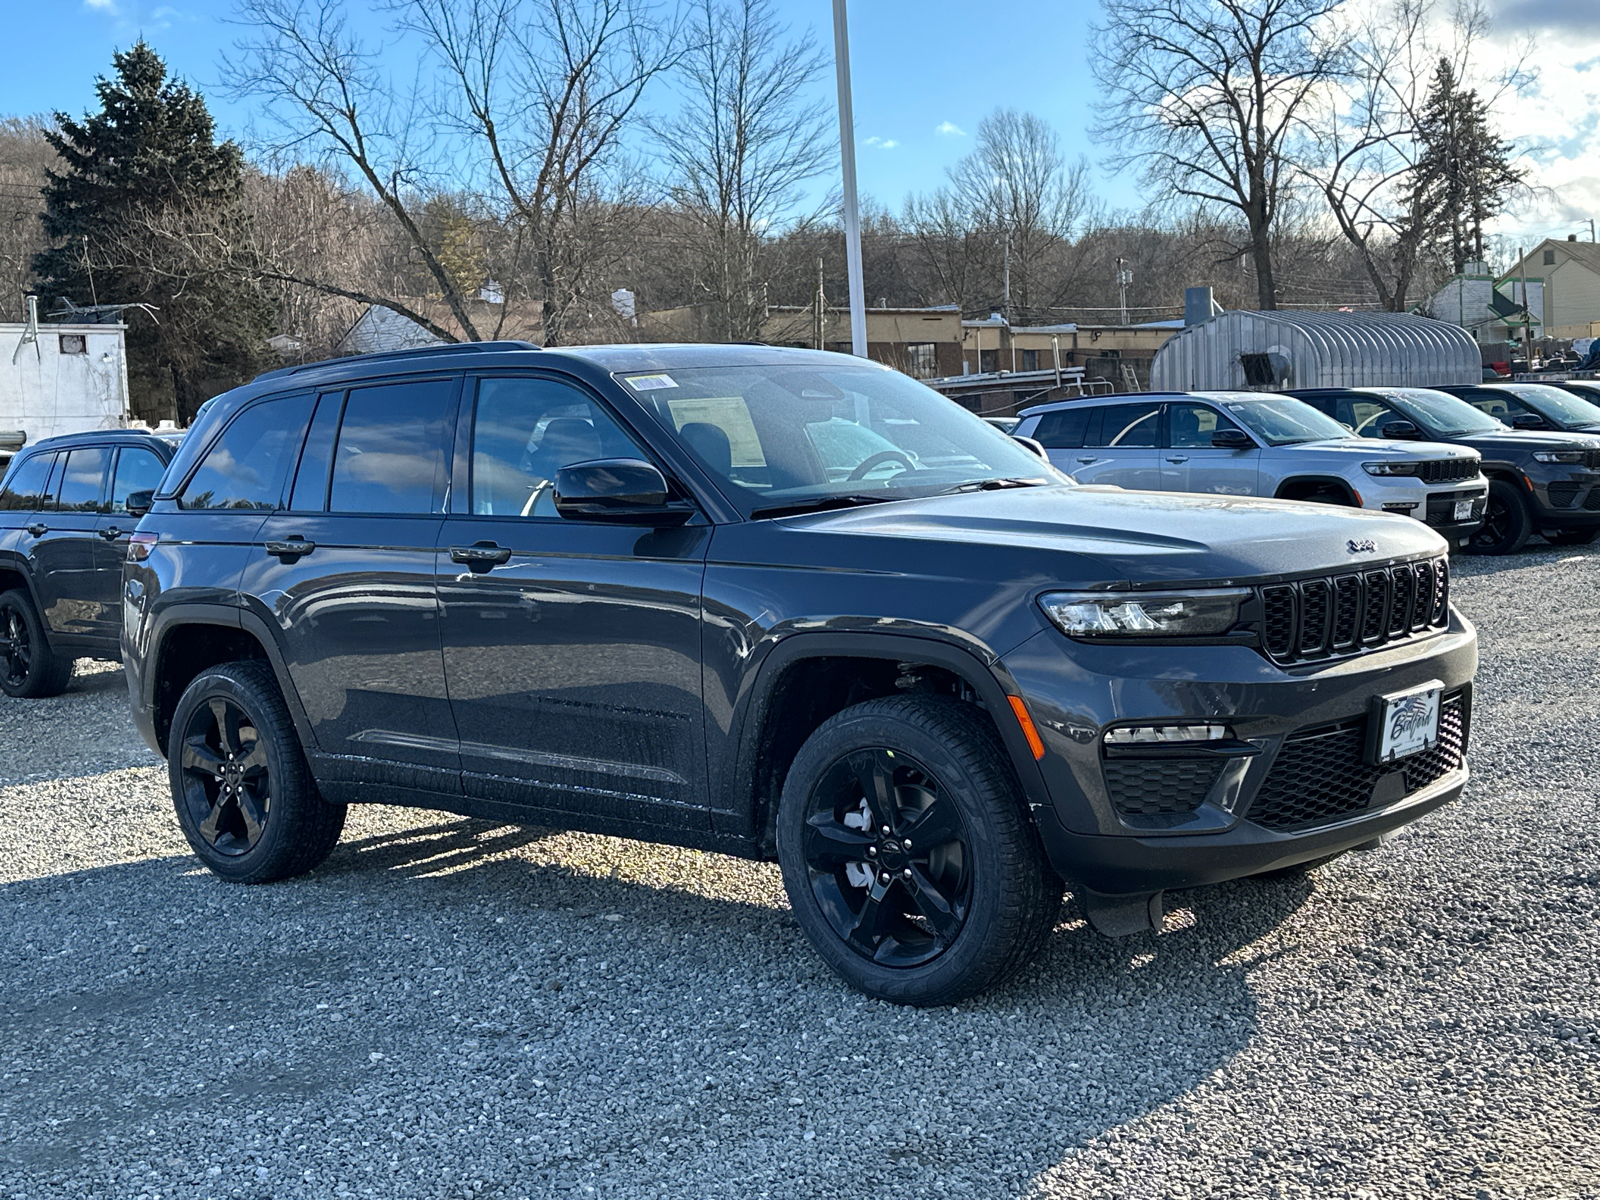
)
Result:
{"points": [[873, 461]]}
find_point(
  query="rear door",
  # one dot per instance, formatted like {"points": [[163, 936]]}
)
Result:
{"points": [[29, 490], [1125, 449], [134, 469], [63, 549], [1062, 434], [1190, 463], [572, 649]]}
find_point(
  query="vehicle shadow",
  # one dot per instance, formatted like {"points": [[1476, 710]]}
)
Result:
{"points": [[461, 976]]}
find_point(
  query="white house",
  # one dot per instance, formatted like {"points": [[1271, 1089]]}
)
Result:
{"points": [[57, 379]]}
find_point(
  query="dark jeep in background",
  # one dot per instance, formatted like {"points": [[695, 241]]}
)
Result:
{"points": [[64, 529], [776, 603]]}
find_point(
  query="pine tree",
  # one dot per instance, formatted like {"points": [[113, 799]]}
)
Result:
{"points": [[146, 210], [1465, 176]]}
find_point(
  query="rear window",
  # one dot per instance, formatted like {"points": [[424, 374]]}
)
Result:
{"points": [[392, 449], [1063, 430], [244, 468], [84, 480], [1130, 426], [26, 485]]}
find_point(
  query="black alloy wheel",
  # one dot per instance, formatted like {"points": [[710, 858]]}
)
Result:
{"points": [[227, 783], [29, 668], [1507, 523], [888, 859]]}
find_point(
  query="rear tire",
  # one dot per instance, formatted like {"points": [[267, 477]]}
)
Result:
{"points": [[1507, 523], [1571, 537], [908, 855], [243, 794], [29, 668]]}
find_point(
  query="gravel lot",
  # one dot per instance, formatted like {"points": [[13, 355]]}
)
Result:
{"points": [[449, 1008]]}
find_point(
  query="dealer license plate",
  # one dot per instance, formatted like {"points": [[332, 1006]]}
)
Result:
{"points": [[1408, 722], [1463, 510]]}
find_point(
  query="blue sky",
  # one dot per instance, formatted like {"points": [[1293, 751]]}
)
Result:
{"points": [[920, 66]]}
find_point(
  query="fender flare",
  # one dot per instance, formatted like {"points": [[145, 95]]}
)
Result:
{"points": [[1343, 485]]}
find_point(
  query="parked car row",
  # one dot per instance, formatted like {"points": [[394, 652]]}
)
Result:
{"points": [[1486, 465], [779, 603]]}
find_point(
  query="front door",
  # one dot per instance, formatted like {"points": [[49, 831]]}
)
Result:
{"points": [[1190, 463], [1124, 449], [136, 469], [572, 648], [344, 573]]}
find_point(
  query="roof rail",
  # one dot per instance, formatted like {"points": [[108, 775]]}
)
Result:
{"points": [[410, 352]]}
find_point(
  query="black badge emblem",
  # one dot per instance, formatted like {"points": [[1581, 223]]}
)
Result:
{"points": [[1364, 546]]}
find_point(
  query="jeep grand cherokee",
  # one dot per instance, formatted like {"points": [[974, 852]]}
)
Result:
{"points": [[660, 592]]}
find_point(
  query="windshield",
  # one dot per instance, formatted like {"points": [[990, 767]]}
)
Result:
{"points": [[1555, 405], [788, 436], [1283, 421], [1440, 413]]}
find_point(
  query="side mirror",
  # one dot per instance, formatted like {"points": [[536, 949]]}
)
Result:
{"points": [[1527, 420], [1030, 444], [1401, 431], [1232, 439], [621, 491], [139, 503]]}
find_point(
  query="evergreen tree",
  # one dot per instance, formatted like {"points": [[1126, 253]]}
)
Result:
{"points": [[1464, 176], [146, 210]]}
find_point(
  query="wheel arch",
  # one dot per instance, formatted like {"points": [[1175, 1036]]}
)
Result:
{"points": [[1299, 487], [15, 576]]}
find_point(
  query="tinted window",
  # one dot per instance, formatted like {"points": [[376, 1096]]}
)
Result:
{"points": [[1440, 413], [1190, 426], [311, 480], [137, 471], [523, 432], [84, 481], [25, 485], [1364, 414], [1496, 404], [1130, 426], [392, 448], [245, 466], [1063, 430]]}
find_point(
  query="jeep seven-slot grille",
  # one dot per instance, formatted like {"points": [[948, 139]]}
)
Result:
{"points": [[1447, 470], [1348, 613], [1321, 775]]}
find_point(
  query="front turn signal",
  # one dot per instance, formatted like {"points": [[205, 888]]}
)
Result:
{"points": [[1035, 743]]}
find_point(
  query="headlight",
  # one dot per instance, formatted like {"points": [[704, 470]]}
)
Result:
{"points": [[1559, 456], [1390, 468], [1206, 613]]}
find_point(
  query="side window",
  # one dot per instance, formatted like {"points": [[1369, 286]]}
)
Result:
{"points": [[1129, 427], [27, 485], [1190, 426], [310, 492], [137, 471], [244, 468], [1496, 404], [393, 448], [1363, 414], [523, 432], [1063, 430], [83, 484]]}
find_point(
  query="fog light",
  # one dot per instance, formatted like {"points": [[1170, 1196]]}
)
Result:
{"points": [[1165, 735]]}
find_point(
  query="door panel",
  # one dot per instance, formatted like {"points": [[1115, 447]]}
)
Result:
{"points": [[64, 555], [573, 665], [1124, 450], [135, 469], [1190, 463]]}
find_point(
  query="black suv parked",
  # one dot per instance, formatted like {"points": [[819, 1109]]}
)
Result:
{"points": [[778, 603], [1539, 482], [64, 528]]}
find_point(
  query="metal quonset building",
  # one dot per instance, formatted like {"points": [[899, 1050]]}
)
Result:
{"points": [[1271, 351]]}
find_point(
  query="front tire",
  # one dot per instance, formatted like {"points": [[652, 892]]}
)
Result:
{"points": [[907, 853], [1507, 523], [244, 796], [29, 668]]}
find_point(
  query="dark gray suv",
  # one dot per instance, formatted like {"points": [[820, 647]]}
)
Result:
{"points": [[783, 604]]}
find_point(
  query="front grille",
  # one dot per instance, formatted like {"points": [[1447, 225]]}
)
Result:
{"points": [[1151, 787], [1345, 614], [1591, 459], [1563, 493], [1447, 470], [1591, 502], [1321, 775]]}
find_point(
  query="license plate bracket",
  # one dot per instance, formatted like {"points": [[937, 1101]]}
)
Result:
{"points": [[1404, 723], [1463, 510]]}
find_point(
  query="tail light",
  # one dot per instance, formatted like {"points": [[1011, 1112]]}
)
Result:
{"points": [[139, 545]]}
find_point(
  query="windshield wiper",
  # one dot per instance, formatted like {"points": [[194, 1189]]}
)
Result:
{"points": [[819, 504], [991, 485]]}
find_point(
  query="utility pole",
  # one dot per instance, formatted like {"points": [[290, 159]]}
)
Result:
{"points": [[819, 300], [1124, 278], [847, 160], [1527, 315]]}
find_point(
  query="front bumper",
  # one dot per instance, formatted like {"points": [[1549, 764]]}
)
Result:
{"points": [[1435, 506], [1564, 498], [1122, 834]]}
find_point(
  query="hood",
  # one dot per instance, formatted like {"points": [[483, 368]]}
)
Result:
{"points": [[1096, 537], [1526, 441], [1368, 449]]}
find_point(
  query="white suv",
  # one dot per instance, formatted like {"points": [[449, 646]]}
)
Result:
{"points": [[1257, 444]]}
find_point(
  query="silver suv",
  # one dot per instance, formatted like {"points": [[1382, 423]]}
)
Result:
{"points": [[1258, 444]]}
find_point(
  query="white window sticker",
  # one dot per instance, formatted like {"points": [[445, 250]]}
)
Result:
{"points": [[650, 383]]}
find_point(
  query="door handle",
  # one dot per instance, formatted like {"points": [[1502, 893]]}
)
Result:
{"points": [[1177, 458], [111, 534], [480, 556], [38, 529], [290, 548], [1089, 461]]}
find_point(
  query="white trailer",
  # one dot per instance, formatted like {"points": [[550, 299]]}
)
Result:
{"points": [[57, 379]]}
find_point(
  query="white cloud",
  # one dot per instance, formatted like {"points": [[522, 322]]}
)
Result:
{"points": [[882, 143], [949, 129], [105, 6]]}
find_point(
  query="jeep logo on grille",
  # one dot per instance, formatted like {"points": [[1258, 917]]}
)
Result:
{"points": [[1364, 546]]}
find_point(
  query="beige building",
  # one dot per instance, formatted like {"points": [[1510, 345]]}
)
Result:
{"points": [[991, 345], [1570, 274]]}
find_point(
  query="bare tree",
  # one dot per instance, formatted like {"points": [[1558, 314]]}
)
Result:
{"points": [[25, 156], [743, 141], [1211, 99], [544, 89]]}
